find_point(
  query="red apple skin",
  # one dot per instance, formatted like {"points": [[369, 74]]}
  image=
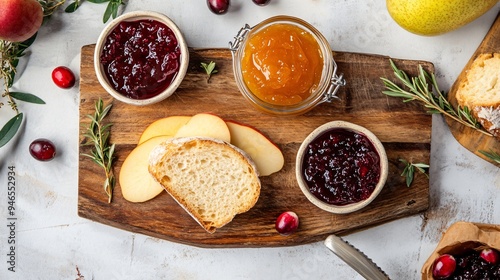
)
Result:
{"points": [[19, 19]]}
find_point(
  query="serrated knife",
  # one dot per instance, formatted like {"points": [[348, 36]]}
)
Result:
{"points": [[355, 258]]}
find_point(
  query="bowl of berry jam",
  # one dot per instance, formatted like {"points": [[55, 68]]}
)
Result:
{"points": [[141, 58], [284, 66], [341, 167]]}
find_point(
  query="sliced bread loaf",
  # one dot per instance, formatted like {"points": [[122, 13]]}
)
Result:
{"points": [[480, 91], [211, 179]]}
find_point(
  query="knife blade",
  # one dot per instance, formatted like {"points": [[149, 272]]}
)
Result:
{"points": [[355, 258]]}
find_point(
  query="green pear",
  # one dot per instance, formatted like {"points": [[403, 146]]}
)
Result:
{"points": [[434, 17]]}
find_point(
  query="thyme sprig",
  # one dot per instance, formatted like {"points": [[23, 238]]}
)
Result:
{"points": [[209, 69], [491, 155], [424, 88], [102, 153], [409, 170]]}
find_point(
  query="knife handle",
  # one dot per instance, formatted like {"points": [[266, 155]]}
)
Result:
{"points": [[355, 258]]}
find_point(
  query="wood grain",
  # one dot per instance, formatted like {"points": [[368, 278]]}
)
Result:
{"points": [[404, 129], [471, 139]]}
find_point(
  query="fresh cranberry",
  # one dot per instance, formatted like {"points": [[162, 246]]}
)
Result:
{"points": [[444, 266], [490, 255], [261, 2], [218, 7], [287, 223], [42, 149], [63, 77]]}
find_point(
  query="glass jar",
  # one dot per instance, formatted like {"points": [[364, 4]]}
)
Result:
{"points": [[325, 90]]}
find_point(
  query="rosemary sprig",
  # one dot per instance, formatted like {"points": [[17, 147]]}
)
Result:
{"points": [[429, 94], [409, 170], [209, 69], [491, 155], [102, 153]]}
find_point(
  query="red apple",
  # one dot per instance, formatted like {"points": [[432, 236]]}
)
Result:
{"points": [[19, 19]]}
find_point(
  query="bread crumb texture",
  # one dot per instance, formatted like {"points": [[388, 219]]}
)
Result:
{"points": [[480, 91], [212, 180]]}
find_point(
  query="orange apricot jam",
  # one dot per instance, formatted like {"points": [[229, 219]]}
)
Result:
{"points": [[282, 64]]}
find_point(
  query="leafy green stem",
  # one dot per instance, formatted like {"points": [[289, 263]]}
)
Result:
{"points": [[424, 88], [102, 152], [491, 155], [409, 170]]}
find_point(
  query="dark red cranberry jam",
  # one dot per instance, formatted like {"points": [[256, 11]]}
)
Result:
{"points": [[341, 167], [141, 58]]}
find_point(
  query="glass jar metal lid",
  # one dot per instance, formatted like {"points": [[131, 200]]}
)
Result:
{"points": [[324, 90]]}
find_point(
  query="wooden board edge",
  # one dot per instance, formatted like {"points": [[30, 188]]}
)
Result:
{"points": [[457, 129]]}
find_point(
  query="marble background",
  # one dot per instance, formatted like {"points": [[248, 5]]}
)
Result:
{"points": [[51, 240]]}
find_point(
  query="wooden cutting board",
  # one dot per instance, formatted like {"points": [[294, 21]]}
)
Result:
{"points": [[404, 129], [472, 139]]}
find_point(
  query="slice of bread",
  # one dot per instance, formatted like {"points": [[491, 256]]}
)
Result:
{"points": [[480, 91], [211, 179]]}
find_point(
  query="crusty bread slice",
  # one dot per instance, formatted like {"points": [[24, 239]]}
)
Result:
{"points": [[481, 86], [480, 91], [211, 179]]}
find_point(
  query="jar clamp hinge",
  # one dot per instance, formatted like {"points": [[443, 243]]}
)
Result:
{"points": [[234, 45], [335, 83]]}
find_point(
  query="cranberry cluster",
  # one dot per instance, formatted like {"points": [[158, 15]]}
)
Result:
{"points": [[220, 7], [470, 265]]}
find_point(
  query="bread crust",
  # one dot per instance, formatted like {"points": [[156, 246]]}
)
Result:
{"points": [[480, 91], [220, 194]]}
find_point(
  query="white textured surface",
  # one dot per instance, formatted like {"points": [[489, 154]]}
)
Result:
{"points": [[51, 240]]}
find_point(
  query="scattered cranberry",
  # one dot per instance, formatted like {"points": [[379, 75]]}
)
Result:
{"points": [[490, 255], [261, 2], [444, 266], [42, 149], [218, 7], [63, 77], [287, 223]]}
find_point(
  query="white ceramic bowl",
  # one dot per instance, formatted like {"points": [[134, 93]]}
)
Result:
{"points": [[343, 209], [135, 16]]}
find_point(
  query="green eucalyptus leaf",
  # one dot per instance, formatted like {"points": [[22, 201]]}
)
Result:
{"points": [[409, 176], [108, 12], [115, 9], [72, 7], [98, 1], [10, 129], [26, 97]]}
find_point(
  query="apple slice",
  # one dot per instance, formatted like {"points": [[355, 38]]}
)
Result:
{"points": [[136, 183], [267, 156], [205, 125], [164, 126]]}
